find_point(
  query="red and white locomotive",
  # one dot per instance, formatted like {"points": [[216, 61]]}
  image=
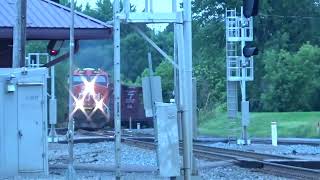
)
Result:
{"points": [[93, 101], [91, 93]]}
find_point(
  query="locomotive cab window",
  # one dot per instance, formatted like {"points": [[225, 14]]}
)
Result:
{"points": [[100, 79], [77, 80]]}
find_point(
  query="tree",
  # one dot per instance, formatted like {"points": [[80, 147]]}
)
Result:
{"points": [[165, 71], [279, 25], [291, 80], [103, 12]]}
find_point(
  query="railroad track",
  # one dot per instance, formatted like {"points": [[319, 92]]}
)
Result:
{"points": [[244, 159], [281, 141], [241, 158]]}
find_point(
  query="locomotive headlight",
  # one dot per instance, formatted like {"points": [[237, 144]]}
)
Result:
{"points": [[89, 86], [79, 104], [100, 105]]}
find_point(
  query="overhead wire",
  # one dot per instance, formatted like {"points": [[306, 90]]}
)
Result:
{"points": [[290, 16]]}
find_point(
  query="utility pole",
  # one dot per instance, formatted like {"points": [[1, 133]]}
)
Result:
{"points": [[117, 84], [71, 173], [187, 81], [19, 35]]}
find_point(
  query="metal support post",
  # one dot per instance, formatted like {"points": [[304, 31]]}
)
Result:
{"points": [[181, 56], [194, 108], [71, 173], [20, 35], [243, 81], [146, 6], [117, 86], [151, 74], [150, 64], [126, 6], [53, 107], [176, 72], [187, 115], [151, 6], [151, 85]]}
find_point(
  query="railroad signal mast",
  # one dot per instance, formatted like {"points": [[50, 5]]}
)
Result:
{"points": [[239, 31]]}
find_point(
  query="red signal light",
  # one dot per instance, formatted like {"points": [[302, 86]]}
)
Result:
{"points": [[53, 52]]}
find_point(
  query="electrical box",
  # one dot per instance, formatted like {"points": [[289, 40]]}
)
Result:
{"points": [[23, 121], [53, 111], [245, 113], [152, 92], [167, 139]]}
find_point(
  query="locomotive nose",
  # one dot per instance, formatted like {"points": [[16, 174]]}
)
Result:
{"points": [[89, 102]]}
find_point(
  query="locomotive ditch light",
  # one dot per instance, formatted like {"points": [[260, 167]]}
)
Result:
{"points": [[250, 8], [250, 51], [100, 104]]}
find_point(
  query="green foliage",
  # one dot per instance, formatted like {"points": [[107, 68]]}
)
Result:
{"points": [[133, 55], [284, 63], [103, 12], [286, 71], [292, 83], [290, 124], [67, 3], [36, 46], [165, 71], [62, 94]]}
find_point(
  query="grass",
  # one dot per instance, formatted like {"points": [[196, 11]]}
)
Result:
{"points": [[290, 124]]}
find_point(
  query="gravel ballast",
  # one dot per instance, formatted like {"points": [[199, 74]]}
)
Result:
{"points": [[103, 153]]}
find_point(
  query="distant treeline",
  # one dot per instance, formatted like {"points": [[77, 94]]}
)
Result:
{"points": [[286, 70]]}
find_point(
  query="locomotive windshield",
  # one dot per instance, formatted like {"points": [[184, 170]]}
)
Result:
{"points": [[100, 79], [77, 80]]}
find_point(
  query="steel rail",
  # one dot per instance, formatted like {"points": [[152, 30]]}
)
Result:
{"points": [[237, 153], [213, 153]]}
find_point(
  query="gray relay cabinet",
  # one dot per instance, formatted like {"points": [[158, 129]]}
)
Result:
{"points": [[167, 139], [23, 121]]}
